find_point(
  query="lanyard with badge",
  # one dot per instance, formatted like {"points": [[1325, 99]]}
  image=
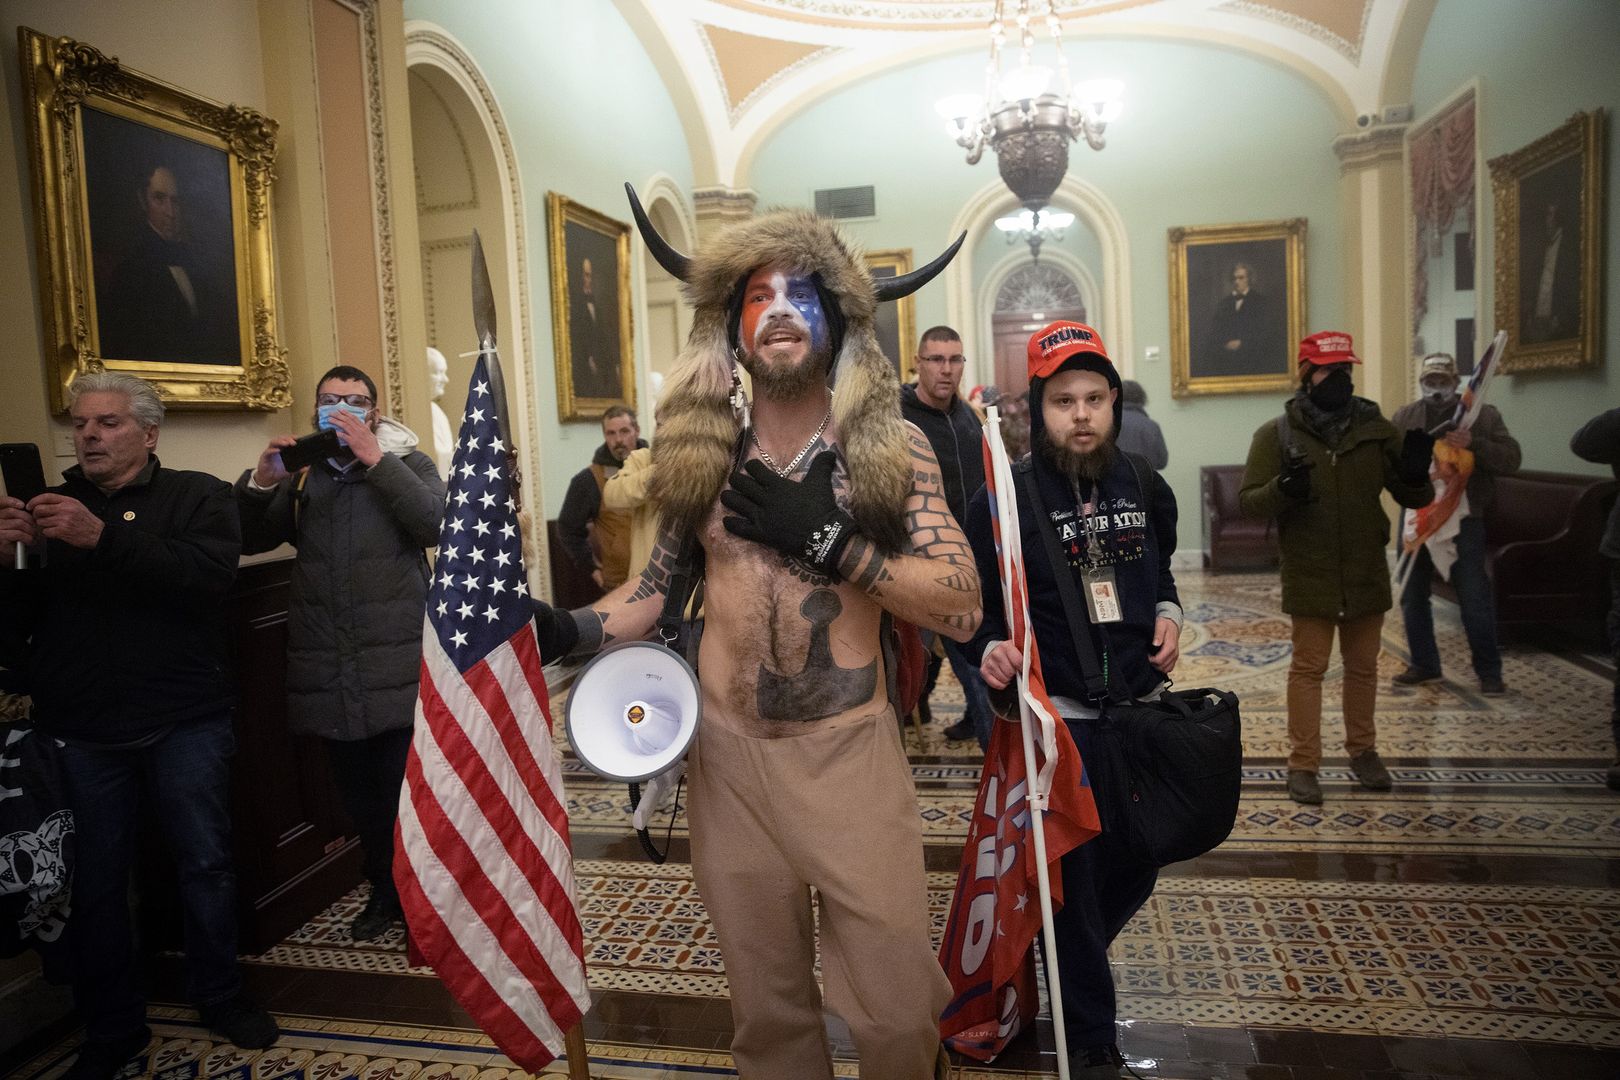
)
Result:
{"points": [[1102, 592]]}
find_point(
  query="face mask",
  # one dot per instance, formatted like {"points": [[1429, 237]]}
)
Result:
{"points": [[1439, 395], [1332, 393], [324, 421]]}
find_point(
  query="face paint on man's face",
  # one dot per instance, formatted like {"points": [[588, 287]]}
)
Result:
{"points": [[775, 304]]}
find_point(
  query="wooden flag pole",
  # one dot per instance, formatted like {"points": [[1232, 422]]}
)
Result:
{"points": [[579, 1062]]}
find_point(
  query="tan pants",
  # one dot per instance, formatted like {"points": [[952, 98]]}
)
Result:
{"points": [[1313, 645], [836, 811]]}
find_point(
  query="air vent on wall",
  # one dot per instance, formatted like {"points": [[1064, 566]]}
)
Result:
{"points": [[846, 202]]}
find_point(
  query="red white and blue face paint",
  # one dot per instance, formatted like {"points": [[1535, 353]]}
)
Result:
{"points": [[779, 309]]}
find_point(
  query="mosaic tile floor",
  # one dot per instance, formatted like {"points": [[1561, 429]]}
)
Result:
{"points": [[1466, 924]]}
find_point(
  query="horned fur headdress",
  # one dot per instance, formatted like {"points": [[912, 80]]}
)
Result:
{"points": [[697, 424]]}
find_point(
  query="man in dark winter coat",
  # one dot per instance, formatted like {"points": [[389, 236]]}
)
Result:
{"points": [[1496, 453], [1599, 441], [1115, 520], [934, 403], [582, 506], [1320, 470], [127, 668], [354, 652]]}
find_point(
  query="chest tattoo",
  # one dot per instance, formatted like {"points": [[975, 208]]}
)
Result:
{"points": [[821, 688]]}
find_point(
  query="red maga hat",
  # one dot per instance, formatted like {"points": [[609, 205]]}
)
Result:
{"points": [[1328, 347], [1057, 342]]}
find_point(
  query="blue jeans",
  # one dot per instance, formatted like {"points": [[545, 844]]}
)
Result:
{"points": [[974, 691], [187, 776], [1473, 597]]}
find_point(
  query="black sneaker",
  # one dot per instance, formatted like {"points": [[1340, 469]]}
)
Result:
{"points": [[1096, 1063], [924, 716], [377, 918], [1414, 677], [1613, 777], [1493, 687], [240, 1021], [960, 731], [103, 1059]]}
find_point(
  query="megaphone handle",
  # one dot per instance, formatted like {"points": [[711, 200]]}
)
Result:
{"points": [[647, 845]]}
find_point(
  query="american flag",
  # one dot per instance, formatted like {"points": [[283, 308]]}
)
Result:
{"points": [[481, 855], [988, 946]]}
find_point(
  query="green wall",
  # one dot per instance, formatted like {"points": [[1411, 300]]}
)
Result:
{"points": [[1537, 64], [1209, 136], [586, 111]]}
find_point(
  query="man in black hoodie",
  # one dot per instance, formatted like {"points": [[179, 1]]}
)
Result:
{"points": [[127, 669], [1115, 522], [934, 403]]}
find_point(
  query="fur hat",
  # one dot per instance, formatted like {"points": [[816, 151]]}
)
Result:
{"points": [[697, 427]]}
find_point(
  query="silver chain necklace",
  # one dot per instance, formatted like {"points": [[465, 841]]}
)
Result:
{"points": [[794, 464]]}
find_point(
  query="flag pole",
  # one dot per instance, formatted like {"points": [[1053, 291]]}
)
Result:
{"points": [[1039, 783], [574, 1049]]}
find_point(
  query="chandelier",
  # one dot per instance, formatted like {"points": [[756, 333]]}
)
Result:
{"points": [[1035, 227], [1027, 120]]}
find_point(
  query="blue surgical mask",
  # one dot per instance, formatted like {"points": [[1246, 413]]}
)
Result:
{"points": [[324, 421]]}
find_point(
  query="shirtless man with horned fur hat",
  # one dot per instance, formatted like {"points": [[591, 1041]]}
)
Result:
{"points": [[823, 515]]}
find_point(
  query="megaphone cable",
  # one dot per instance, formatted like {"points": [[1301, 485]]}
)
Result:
{"points": [[644, 836]]}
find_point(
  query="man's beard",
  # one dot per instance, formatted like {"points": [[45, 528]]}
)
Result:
{"points": [[781, 383], [1090, 466]]}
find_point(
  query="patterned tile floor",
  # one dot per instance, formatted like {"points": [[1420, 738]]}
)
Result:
{"points": [[1466, 924]]}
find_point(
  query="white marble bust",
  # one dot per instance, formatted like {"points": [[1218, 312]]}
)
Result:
{"points": [[444, 440]]}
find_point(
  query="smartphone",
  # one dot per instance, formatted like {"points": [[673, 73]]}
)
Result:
{"points": [[310, 449], [22, 469]]}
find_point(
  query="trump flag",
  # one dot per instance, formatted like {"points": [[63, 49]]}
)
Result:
{"points": [[482, 855], [988, 947]]}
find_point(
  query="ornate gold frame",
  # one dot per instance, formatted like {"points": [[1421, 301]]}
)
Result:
{"points": [[1182, 382], [1581, 134], [60, 77], [561, 211], [905, 309]]}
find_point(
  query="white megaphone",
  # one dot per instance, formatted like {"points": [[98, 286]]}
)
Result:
{"points": [[633, 712]]}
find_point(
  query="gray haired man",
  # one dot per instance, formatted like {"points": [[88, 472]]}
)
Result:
{"points": [[126, 668]]}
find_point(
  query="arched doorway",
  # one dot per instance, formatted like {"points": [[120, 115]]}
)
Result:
{"points": [[1031, 296], [466, 179]]}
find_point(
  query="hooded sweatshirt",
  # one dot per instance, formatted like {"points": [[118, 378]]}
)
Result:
{"points": [[1136, 527]]}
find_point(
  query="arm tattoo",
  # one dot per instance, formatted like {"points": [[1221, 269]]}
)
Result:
{"points": [[935, 533], [660, 566], [864, 566], [593, 635], [957, 622]]}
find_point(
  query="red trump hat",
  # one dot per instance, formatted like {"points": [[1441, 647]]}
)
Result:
{"points": [[1054, 344], [1328, 347]]}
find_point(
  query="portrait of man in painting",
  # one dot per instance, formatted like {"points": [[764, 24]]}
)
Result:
{"points": [[1550, 230], [162, 244], [597, 356], [1237, 308]]}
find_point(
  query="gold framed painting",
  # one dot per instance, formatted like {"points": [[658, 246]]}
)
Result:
{"points": [[1237, 306], [896, 323], [152, 214], [1549, 232], [590, 309]]}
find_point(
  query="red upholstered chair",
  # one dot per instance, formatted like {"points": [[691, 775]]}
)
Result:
{"points": [[1232, 541]]}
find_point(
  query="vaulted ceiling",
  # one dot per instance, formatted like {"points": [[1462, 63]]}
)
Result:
{"points": [[738, 69]]}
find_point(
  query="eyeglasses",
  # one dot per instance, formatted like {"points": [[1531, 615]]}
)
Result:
{"points": [[945, 361], [360, 400]]}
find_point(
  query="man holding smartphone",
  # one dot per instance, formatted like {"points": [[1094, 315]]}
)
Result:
{"points": [[360, 519], [122, 613]]}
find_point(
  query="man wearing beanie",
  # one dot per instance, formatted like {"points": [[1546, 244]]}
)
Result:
{"points": [[1115, 522], [1496, 453], [1320, 470]]}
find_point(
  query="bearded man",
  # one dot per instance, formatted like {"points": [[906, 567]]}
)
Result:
{"points": [[818, 521], [1114, 519]]}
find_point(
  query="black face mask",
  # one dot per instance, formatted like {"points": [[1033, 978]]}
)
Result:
{"points": [[1332, 393]]}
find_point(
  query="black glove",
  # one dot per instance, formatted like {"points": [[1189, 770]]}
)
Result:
{"points": [[1295, 481], [1416, 451], [799, 518], [554, 630]]}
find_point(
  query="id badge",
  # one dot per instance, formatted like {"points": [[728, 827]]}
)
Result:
{"points": [[1102, 595]]}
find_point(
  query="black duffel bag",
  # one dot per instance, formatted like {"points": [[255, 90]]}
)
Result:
{"points": [[1183, 756]]}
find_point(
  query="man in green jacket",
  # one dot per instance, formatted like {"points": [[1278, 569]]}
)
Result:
{"points": [[1320, 470]]}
